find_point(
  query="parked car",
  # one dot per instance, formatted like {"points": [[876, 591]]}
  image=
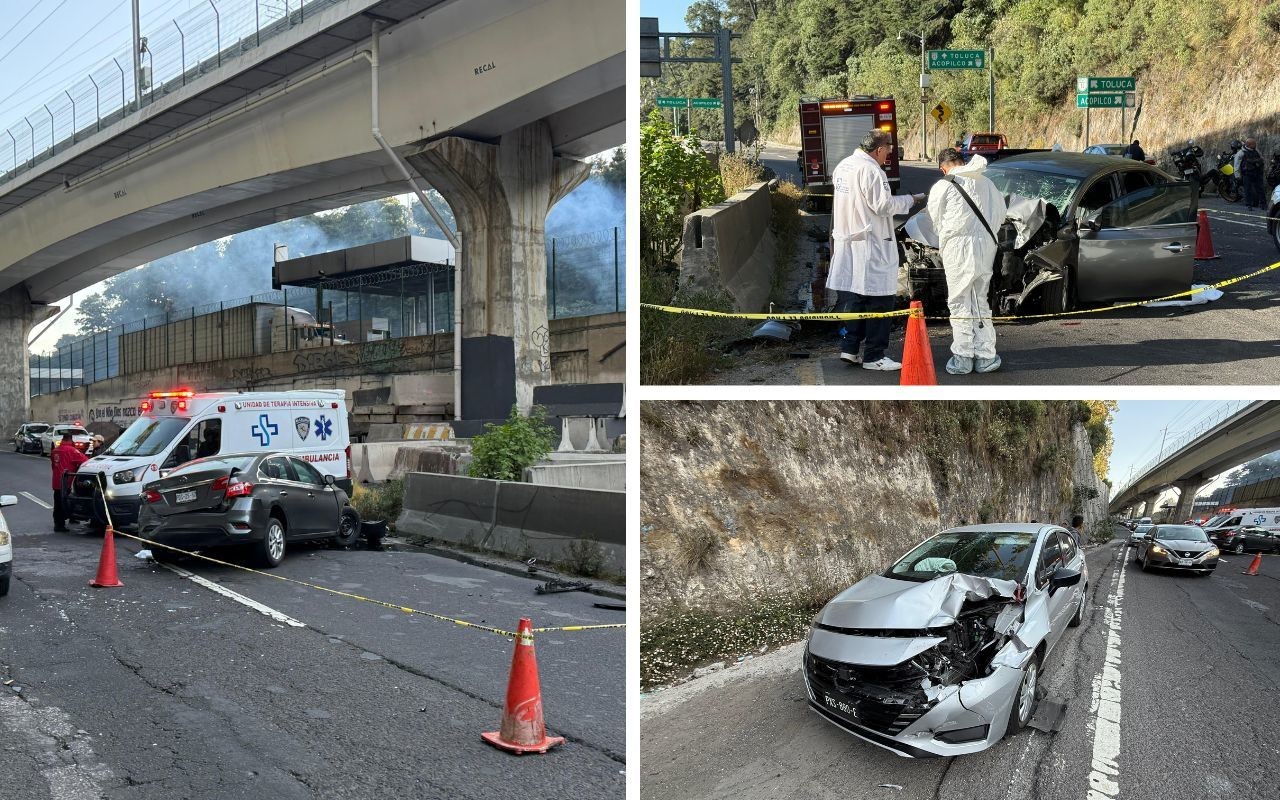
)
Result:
{"points": [[1178, 547], [254, 501], [80, 437], [1139, 533], [1250, 540], [1112, 150], [6, 546], [940, 654], [27, 439], [1080, 230]]}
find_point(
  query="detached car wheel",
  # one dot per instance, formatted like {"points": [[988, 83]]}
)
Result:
{"points": [[1026, 700], [270, 551], [348, 529]]}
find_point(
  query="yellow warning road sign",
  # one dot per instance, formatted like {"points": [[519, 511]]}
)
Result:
{"points": [[941, 112]]}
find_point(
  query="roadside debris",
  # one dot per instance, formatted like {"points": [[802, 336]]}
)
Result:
{"points": [[143, 554], [889, 786], [772, 329], [1206, 295], [611, 606], [1049, 716], [556, 585]]}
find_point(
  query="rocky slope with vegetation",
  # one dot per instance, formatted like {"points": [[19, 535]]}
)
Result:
{"points": [[754, 514], [1205, 70]]}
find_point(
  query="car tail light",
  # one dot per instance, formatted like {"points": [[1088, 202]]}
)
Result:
{"points": [[230, 489], [151, 496], [348, 461]]}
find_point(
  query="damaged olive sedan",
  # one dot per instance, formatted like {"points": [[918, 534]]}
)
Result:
{"points": [[1080, 230], [940, 655]]}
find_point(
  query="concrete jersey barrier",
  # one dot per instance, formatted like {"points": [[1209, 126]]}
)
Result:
{"points": [[519, 520], [729, 248]]}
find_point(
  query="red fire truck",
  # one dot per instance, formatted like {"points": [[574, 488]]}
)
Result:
{"points": [[832, 129]]}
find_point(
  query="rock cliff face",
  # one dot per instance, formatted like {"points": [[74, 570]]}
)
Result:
{"points": [[743, 502]]}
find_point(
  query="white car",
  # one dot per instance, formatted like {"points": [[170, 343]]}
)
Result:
{"points": [[1139, 534], [79, 437], [6, 546]]}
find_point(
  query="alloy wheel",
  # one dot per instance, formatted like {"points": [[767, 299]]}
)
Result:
{"points": [[1027, 692], [275, 541]]}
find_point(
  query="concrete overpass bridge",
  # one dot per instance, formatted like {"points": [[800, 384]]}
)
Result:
{"points": [[492, 102], [1240, 435]]}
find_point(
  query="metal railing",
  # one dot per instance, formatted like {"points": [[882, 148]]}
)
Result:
{"points": [[586, 273], [178, 50], [1171, 446]]}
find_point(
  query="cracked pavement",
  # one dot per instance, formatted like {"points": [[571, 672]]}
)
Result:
{"points": [[164, 689], [1201, 672]]}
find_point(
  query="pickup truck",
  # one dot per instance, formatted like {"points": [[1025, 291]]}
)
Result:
{"points": [[991, 146]]}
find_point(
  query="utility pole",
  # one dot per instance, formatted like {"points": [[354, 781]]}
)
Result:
{"points": [[137, 57], [924, 104]]}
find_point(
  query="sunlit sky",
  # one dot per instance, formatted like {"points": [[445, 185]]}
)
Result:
{"points": [[1140, 426]]}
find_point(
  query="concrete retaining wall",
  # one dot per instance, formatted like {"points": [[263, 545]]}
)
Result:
{"points": [[518, 520], [609, 475], [729, 248]]}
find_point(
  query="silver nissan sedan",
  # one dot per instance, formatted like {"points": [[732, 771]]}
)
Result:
{"points": [[940, 655]]}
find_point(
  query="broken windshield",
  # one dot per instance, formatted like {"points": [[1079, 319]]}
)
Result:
{"points": [[1019, 178], [988, 554]]}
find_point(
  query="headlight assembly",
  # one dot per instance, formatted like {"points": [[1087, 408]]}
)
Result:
{"points": [[124, 476], [1157, 550], [1212, 552], [4, 538]]}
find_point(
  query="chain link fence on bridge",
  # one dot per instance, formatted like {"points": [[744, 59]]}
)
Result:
{"points": [[179, 49]]}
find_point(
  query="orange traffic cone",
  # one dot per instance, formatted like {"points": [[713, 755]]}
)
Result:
{"points": [[917, 358], [107, 577], [1204, 241], [523, 729], [1253, 565]]}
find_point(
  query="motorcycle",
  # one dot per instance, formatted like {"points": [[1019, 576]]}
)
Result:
{"points": [[1223, 177], [1187, 162]]}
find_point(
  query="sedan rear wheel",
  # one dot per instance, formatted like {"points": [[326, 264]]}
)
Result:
{"points": [[270, 551], [1024, 705], [1079, 615], [1239, 547]]}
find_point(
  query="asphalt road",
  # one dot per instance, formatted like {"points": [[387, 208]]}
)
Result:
{"points": [[165, 689], [1234, 340], [1199, 666]]}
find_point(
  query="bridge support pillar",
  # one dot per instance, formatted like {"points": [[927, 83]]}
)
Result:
{"points": [[500, 195], [1186, 498], [16, 317], [1148, 505]]}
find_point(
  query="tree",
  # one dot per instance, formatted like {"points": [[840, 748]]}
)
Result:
{"points": [[678, 178], [503, 451], [1099, 427]]}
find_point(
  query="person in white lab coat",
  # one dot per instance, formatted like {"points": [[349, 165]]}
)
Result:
{"points": [[967, 243], [864, 253]]}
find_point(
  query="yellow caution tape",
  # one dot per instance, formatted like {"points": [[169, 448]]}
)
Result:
{"points": [[904, 312], [393, 606]]}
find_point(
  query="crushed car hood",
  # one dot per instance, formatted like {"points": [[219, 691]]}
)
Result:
{"points": [[1026, 213], [878, 602]]}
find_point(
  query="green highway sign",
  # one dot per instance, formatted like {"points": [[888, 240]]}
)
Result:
{"points": [[673, 102], [1086, 83], [706, 102], [1116, 100], [957, 59]]}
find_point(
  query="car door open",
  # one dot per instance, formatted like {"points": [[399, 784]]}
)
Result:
{"points": [[1140, 245]]}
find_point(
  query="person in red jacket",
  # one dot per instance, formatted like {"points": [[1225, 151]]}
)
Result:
{"points": [[64, 458]]}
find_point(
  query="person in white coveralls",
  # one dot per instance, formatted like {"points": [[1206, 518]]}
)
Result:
{"points": [[967, 209], [864, 252]]}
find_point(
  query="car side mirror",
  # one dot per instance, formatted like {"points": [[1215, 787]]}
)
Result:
{"points": [[1090, 224], [1062, 578], [1148, 537], [8, 500], [329, 480]]}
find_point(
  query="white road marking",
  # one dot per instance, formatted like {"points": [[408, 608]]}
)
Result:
{"points": [[35, 499], [1254, 605], [1104, 707], [1239, 222], [239, 598]]}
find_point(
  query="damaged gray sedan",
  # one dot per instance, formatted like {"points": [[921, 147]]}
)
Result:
{"points": [[940, 655]]}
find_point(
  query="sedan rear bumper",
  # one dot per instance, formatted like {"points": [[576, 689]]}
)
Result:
{"points": [[244, 523]]}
